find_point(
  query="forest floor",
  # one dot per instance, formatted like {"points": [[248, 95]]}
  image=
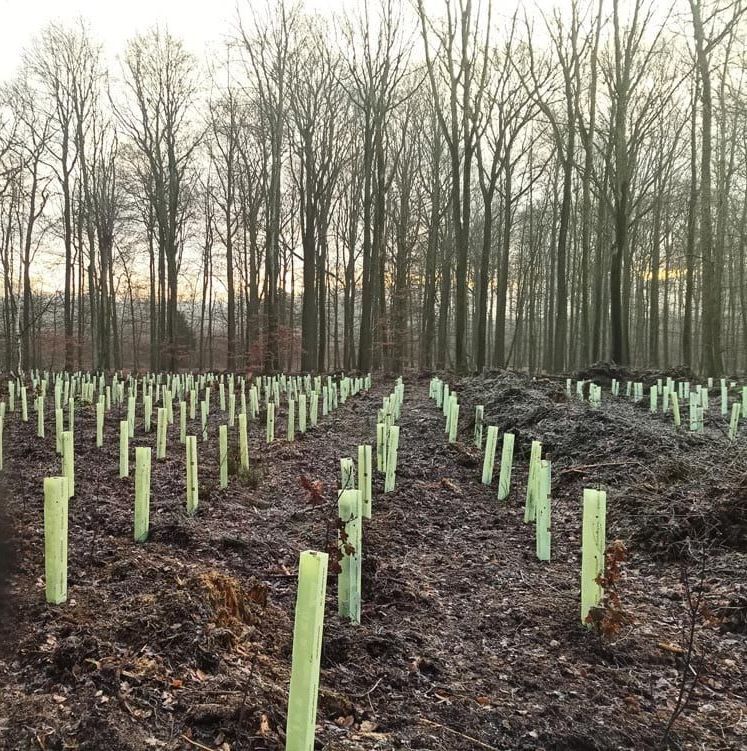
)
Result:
{"points": [[467, 641]]}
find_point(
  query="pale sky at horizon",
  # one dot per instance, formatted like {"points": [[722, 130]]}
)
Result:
{"points": [[112, 23], [198, 23]]}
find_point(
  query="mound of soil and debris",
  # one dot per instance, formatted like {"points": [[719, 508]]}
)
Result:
{"points": [[467, 641], [602, 373], [674, 490]]}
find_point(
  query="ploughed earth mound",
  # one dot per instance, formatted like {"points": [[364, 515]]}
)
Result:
{"points": [[668, 489]]}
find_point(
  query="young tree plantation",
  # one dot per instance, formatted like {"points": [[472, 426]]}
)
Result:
{"points": [[373, 375]]}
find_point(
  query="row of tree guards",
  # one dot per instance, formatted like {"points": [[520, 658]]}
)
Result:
{"points": [[354, 502], [77, 389], [667, 394], [537, 506], [354, 499], [354, 505]]}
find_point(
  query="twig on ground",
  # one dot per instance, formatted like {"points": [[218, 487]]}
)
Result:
{"points": [[456, 732], [196, 744]]}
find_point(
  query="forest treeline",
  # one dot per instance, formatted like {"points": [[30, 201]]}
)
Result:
{"points": [[438, 185]]}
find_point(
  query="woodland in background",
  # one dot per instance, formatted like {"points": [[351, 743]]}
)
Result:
{"points": [[387, 189]]}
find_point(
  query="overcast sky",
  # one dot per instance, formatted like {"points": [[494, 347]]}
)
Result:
{"points": [[112, 23], [198, 22]]}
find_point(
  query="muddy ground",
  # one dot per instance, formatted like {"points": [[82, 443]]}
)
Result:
{"points": [[467, 641]]}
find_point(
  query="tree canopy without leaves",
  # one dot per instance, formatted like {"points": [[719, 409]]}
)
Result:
{"points": [[438, 185]]}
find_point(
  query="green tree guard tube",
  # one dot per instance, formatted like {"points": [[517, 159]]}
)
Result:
{"points": [[693, 412], [204, 418], [12, 396], [40, 417], [507, 460], [142, 493], [314, 409], [68, 461], [24, 405], [223, 455], [231, 409], [291, 420], [449, 413], [147, 412], [391, 458], [169, 404], [653, 399], [347, 474], [349, 578], [100, 406], [400, 392], [307, 651], [344, 386], [253, 403], [192, 404], [544, 513], [71, 414], [222, 396], [479, 418], [59, 428], [243, 442], [534, 463], [161, 433], [131, 416], [676, 409], [124, 458], [192, 489], [734, 422], [270, 430], [453, 421], [55, 538], [487, 463], [182, 422], [364, 479], [380, 447], [593, 545], [302, 413]]}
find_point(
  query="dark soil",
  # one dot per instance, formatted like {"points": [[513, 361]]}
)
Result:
{"points": [[467, 641]]}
